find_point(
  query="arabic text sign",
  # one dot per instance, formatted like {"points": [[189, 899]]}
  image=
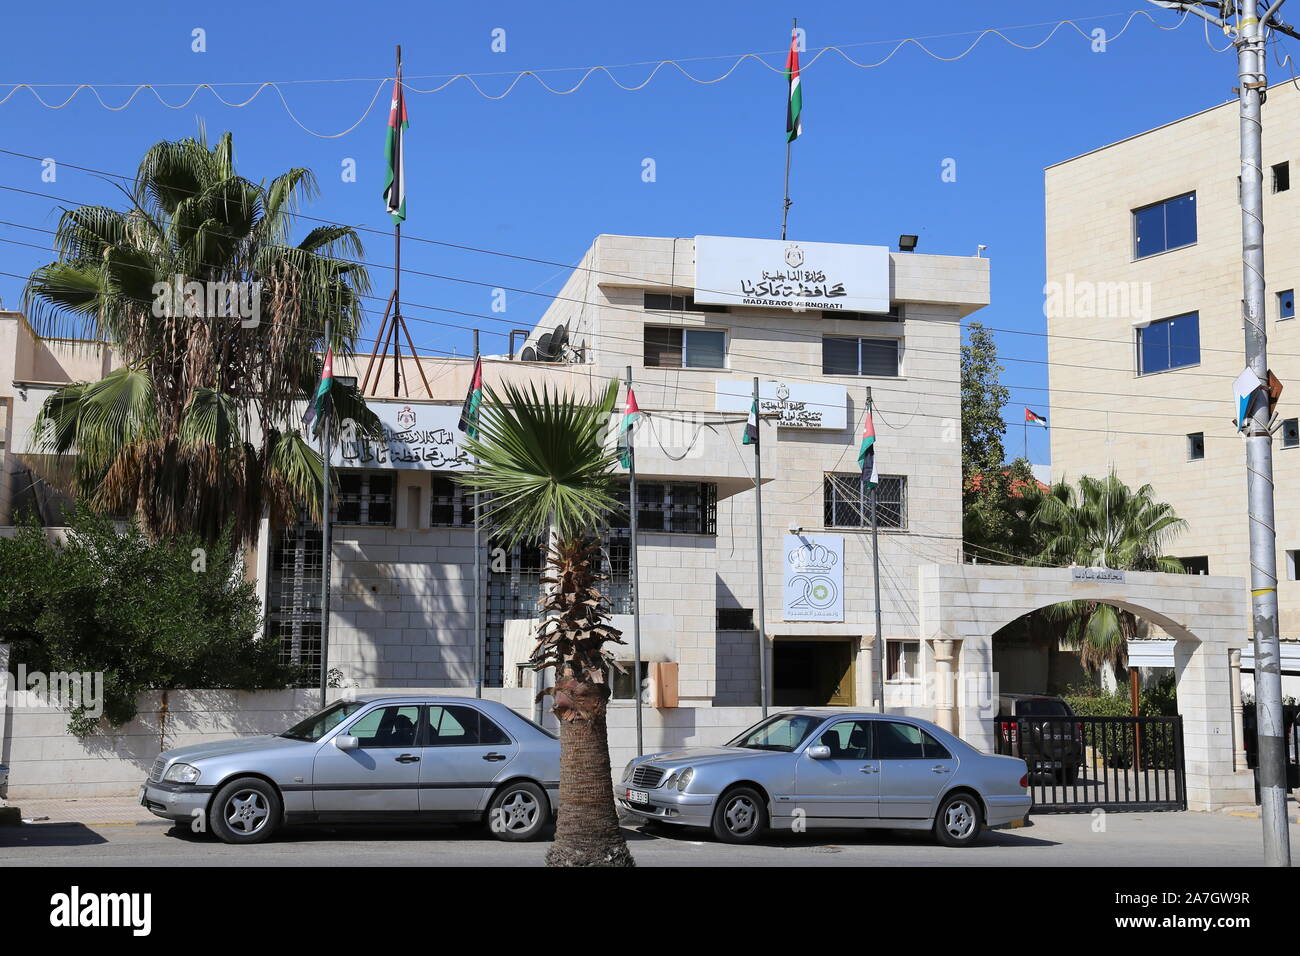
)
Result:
{"points": [[1097, 574], [814, 577], [798, 404], [805, 275], [415, 436]]}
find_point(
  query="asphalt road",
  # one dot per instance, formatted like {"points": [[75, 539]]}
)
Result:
{"points": [[1146, 839]]}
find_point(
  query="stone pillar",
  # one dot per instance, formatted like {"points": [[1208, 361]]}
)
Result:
{"points": [[944, 698], [1238, 729]]}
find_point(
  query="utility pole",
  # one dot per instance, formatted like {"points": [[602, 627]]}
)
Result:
{"points": [[764, 683], [327, 552], [635, 575], [1249, 35]]}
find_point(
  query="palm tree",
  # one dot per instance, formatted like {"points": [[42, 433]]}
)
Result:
{"points": [[544, 463], [198, 430], [1103, 523]]}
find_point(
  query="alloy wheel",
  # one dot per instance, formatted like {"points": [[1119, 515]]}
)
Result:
{"points": [[519, 812], [247, 812], [959, 820], [741, 815]]}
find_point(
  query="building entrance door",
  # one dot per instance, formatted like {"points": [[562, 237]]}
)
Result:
{"points": [[812, 671]]}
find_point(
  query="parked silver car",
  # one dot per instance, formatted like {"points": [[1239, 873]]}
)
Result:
{"points": [[830, 768], [372, 759]]}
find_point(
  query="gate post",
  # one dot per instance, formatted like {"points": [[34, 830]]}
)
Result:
{"points": [[944, 698], [1238, 728]]}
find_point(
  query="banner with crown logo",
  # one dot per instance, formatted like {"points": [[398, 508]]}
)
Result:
{"points": [[814, 577]]}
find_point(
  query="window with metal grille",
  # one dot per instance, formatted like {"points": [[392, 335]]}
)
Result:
{"points": [[848, 502], [293, 609], [676, 507], [845, 355], [662, 302], [451, 504], [364, 497]]}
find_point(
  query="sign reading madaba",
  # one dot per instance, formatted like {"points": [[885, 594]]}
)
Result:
{"points": [[415, 436], [800, 275]]}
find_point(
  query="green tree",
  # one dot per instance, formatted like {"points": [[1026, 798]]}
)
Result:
{"points": [[198, 430], [983, 397], [548, 472], [146, 615], [1103, 523]]}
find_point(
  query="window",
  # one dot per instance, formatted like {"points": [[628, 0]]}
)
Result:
{"points": [[1282, 177], [895, 741], [621, 684], [781, 732], [322, 722], [902, 660], [735, 619], [1292, 563], [684, 348], [1169, 343], [662, 302], [895, 314], [1291, 433], [844, 355], [1197, 565], [848, 504], [1286, 304], [675, 507], [451, 504], [1196, 446], [455, 726], [849, 740], [386, 727], [1164, 225], [364, 497]]}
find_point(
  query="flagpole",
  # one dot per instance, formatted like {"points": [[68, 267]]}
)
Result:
{"points": [[785, 207], [478, 575], [878, 648], [636, 584], [758, 531], [326, 553], [397, 246]]}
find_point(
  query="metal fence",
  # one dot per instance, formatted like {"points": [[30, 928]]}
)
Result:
{"points": [[1078, 764]]}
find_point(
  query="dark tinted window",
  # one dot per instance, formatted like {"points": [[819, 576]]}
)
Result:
{"points": [[859, 356], [455, 726], [933, 749], [1041, 708], [386, 727], [1170, 343], [899, 741], [1164, 225], [1196, 565], [1291, 432], [848, 740]]}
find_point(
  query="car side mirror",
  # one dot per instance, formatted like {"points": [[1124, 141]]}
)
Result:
{"points": [[346, 742], [819, 752]]}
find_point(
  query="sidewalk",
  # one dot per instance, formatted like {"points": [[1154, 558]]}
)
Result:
{"points": [[97, 811]]}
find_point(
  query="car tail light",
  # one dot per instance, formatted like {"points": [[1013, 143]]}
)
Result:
{"points": [[1009, 730], [1024, 780]]}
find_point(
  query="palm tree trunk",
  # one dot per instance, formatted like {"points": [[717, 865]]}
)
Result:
{"points": [[587, 831]]}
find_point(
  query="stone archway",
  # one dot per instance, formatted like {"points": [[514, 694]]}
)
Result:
{"points": [[963, 605]]}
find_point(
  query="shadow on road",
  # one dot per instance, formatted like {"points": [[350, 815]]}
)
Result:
{"points": [[50, 834], [828, 838]]}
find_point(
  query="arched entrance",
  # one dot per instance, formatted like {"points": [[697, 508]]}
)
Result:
{"points": [[963, 606]]}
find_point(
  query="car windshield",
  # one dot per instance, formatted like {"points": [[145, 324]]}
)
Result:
{"points": [[781, 732], [322, 722]]}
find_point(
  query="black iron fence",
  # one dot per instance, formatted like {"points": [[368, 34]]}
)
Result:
{"points": [[1290, 733], [1077, 764]]}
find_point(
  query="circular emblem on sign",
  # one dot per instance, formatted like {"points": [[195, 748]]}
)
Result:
{"points": [[821, 592], [406, 417], [793, 256], [783, 392]]}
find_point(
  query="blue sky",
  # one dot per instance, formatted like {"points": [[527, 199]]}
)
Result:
{"points": [[536, 174]]}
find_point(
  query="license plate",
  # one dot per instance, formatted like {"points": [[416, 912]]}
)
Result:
{"points": [[638, 796]]}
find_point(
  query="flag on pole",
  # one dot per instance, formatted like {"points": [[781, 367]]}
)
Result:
{"points": [[1034, 417], [867, 452], [473, 399], [751, 426], [314, 417], [794, 105], [631, 414], [395, 151]]}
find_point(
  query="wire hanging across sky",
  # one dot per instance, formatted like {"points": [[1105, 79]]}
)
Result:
{"points": [[586, 73]]}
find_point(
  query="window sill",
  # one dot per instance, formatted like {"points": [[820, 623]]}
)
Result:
{"points": [[1162, 252], [1164, 371]]}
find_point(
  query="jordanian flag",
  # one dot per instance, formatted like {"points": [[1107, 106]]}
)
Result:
{"points": [[631, 414], [794, 106], [867, 452], [395, 150], [473, 399], [1032, 416], [751, 426], [314, 417]]}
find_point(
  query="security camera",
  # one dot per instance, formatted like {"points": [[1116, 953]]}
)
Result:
{"points": [[795, 529], [979, 250]]}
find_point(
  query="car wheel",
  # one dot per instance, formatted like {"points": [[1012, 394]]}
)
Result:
{"points": [[959, 820], [246, 810], [740, 816], [518, 812]]}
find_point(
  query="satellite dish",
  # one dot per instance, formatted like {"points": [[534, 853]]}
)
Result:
{"points": [[559, 339], [544, 348], [529, 354]]}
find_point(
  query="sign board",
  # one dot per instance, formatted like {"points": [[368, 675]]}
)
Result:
{"points": [[814, 577], [415, 436], [798, 404], [1097, 574], [802, 275]]}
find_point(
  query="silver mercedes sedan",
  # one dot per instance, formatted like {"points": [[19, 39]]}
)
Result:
{"points": [[375, 759], [830, 768]]}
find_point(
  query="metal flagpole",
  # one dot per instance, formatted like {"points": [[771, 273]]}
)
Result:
{"points": [[878, 648], [785, 208], [758, 531], [636, 584], [326, 553], [397, 248], [478, 575]]}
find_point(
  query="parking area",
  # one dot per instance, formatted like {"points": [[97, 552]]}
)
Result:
{"points": [[1113, 839]]}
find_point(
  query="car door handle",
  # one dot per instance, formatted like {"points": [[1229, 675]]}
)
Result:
{"points": [[866, 769], [938, 768], [494, 756], [407, 758]]}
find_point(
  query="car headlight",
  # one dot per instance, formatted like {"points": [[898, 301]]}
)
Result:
{"points": [[181, 773], [627, 771], [684, 779]]}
